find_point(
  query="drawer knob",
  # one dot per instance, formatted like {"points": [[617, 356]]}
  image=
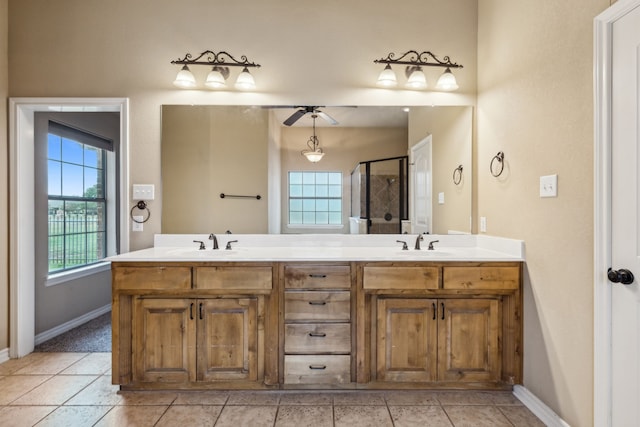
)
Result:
{"points": [[317, 303], [317, 334], [318, 367]]}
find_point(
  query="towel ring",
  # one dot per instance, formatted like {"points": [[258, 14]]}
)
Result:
{"points": [[142, 205], [457, 175], [500, 158]]}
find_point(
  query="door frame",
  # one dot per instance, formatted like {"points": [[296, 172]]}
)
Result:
{"points": [[21, 203], [602, 292], [424, 143]]}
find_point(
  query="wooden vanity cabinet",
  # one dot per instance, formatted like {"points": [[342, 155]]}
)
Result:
{"points": [[317, 324], [217, 332], [439, 324]]}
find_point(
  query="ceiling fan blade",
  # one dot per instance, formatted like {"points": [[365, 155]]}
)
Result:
{"points": [[294, 117], [327, 117]]}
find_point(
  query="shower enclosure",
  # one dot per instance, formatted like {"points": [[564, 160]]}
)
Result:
{"points": [[379, 195]]}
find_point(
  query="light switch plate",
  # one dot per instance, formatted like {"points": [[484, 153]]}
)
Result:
{"points": [[549, 186], [483, 224], [441, 198], [143, 192]]}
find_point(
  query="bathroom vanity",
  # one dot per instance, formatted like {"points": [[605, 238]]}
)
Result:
{"points": [[292, 312]]}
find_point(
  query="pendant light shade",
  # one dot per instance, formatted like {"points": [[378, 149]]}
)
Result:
{"points": [[245, 80], [416, 80], [314, 156], [387, 77], [447, 81], [185, 78]]}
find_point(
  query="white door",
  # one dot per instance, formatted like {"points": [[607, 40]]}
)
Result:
{"points": [[420, 188], [625, 220]]}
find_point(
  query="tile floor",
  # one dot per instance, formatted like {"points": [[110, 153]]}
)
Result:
{"points": [[74, 389]]}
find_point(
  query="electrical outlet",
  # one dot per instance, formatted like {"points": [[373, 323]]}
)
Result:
{"points": [[549, 186], [441, 198], [135, 225], [483, 224]]}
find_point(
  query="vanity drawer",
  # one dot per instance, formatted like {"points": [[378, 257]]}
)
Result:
{"points": [[489, 277], [317, 306], [418, 277], [138, 278], [311, 338], [244, 277], [317, 277], [334, 369]]}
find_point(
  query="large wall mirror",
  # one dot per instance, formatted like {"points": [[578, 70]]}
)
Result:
{"points": [[249, 151]]}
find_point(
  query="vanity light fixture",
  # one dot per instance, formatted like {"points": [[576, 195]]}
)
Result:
{"points": [[416, 79], [314, 153], [217, 77]]}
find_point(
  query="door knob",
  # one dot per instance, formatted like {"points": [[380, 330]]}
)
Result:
{"points": [[623, 276]]}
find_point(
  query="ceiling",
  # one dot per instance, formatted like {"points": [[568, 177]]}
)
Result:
{"points": [[349, 116]]}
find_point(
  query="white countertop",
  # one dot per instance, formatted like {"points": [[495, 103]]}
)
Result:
{"points": [[322, 247]]}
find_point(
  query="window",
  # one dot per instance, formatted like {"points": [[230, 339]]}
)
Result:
{"points": [[77, 201], [315, 198]]}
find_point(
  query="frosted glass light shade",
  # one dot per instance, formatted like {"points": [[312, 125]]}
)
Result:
{"points": [[387, 77], [185, 78], [245, 80], [447, 81], [215, 79], [313, 156], [417, 80]]}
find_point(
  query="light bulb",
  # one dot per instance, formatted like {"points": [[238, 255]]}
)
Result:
{"points": [[447, 81], [245, 80], [387, 77], [185, 78]]}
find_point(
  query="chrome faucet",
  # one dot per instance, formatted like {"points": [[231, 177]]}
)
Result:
{"points": [[215, 240], [228, 247], [418, 239]]}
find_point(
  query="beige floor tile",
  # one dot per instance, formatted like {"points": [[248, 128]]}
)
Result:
{"points": [[504, 398], [417, 397], [130, 416], [202, 398], [99, 392], [307, 398], [92, 364], [476, 416], [418, 416], [520, 416], [51, 363], [56, 390], [74, 416], [190, 415], [254, 416], [464, 398], [23, 416], [14, 386], [360, 416], [147, 397], [304, 416], [12, 365], [253, 398], [358, 398]]}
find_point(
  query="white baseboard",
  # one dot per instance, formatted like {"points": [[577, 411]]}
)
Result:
{"points": [[4, 355], [538, 407], [67, 326]]}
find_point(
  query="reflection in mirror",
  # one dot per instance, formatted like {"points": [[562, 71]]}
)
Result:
{"points": [[245, 150]]}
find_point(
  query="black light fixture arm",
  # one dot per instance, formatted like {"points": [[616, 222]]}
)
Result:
{"points": [[412, 57], [221, 58]]}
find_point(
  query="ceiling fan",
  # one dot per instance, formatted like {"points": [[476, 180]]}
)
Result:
{"points": [[309, 110]]}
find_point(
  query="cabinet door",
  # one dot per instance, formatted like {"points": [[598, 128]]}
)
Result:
{"points": [[227, 339], [406, 340], [164, 340], [468, 333]]}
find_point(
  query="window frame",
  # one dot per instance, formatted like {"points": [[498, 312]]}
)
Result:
{"points": [[314, 225]]}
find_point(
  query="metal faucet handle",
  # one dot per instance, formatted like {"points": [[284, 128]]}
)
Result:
{"points": [[202, 246], [404, 245], [430, 248], [228, 247]]}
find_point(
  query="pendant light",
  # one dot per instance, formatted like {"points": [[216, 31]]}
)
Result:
{"points": [[314, 154]]}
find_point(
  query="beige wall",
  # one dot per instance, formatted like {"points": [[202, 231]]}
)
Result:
{"points": [[4, 167], [451, 130], [344, 148], [535, 103]]}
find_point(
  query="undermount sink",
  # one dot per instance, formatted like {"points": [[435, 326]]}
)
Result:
{"points": [[424, 252], [202, 253]]}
